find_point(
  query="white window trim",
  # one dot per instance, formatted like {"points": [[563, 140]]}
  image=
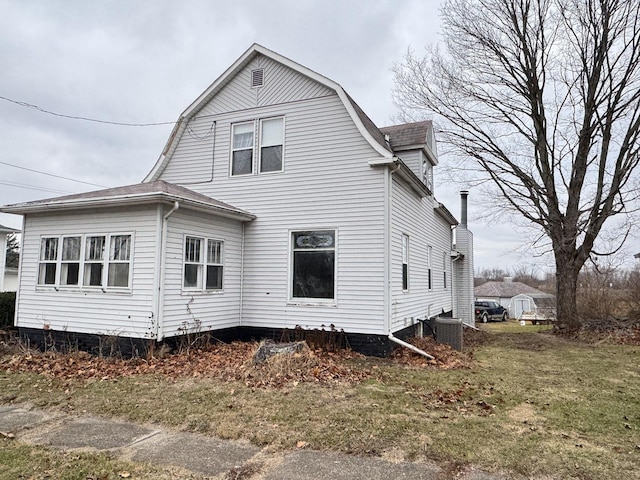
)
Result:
{"points": [[203, 263], [405, 261], [313, 302], [429, 268], [80, 286], [232, 149], [260, 145], [256, 150]]}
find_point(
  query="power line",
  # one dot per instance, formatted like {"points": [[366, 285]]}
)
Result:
{"points": [[52, 175], [32, 187], [86, 119]]}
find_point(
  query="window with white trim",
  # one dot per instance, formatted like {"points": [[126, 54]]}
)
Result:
{"points": [[242, 149], [70, 266], [266, 135], [85, 261], [48, 261], [445, 258], [405, 262], [271, 143], [429, 257], [93, 261], [119, 261], [313, 264], [203, 269]]}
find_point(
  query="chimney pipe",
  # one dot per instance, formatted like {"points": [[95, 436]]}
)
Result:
{"points": [[463, 204]]}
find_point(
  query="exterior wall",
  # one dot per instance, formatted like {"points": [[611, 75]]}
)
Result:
{"points": [[3, 249], [10, 280], [84, 310], [463, 271], [188, 311], [414, 216], [326, 184]]}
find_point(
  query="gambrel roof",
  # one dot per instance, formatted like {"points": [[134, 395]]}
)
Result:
{"points": [[364, 124], [139, 193]]}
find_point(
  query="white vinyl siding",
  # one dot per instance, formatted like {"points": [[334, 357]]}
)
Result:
{"points": [[415, 217], [218, 242], [327, 181], [111, 310]]}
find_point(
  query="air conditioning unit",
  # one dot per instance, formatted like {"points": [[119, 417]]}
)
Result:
{"points": [[449, 331]]}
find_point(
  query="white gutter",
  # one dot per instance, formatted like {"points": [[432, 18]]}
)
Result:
{"points": [[161, 266], [410, 347]]}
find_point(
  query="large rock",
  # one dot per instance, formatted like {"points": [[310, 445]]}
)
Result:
{"points": [[269, 348]]}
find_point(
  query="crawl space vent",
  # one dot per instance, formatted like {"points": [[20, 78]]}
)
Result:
{"points": [[257, 77]]}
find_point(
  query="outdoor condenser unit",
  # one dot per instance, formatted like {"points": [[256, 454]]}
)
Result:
{"points": [[449, 331]]}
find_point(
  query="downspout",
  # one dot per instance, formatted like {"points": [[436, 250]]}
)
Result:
{"points": [[160, 289], [410, 347]]}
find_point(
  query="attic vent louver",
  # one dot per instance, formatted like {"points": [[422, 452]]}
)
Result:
{"points": [[257, 77]]}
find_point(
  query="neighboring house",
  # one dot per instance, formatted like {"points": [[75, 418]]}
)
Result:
{"points": [[8, 276], [517, 297], [276, 203]]}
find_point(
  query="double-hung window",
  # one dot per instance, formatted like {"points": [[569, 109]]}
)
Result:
{"points": [[48, 261], [86, 261], [119, 261], [242, 149], [313, 264], [269, 145], [93, 261], [429, 258], [405, 262], [203, 267], [70, 266]]}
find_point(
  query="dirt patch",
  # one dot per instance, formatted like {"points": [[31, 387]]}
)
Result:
{"points": [[523, 413]]}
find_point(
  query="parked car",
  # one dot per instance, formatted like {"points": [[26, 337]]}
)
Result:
{"points": [[488, 310]]}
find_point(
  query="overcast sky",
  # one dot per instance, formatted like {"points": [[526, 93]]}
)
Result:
{"points": [[145, 62]]}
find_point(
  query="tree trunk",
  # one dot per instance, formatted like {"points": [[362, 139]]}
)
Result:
{"points": [[566, 286]]}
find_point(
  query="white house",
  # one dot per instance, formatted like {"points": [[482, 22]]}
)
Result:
{"points": [[276, 203], [8, 276]]}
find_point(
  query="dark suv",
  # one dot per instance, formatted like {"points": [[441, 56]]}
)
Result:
{"points": [[487, 310]]}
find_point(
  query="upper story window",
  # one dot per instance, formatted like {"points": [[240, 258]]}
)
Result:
{"points": [[242, 149], [82, 261], [269, 145], [271, 142], [427, 173]]}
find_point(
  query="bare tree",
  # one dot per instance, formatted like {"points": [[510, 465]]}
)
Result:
{"points": [[544, 97]]}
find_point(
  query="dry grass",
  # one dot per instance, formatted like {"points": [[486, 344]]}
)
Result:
{"points": [[526, 402]]}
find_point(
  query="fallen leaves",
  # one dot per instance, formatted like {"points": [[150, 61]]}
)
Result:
{"points": [[232, 362]]}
